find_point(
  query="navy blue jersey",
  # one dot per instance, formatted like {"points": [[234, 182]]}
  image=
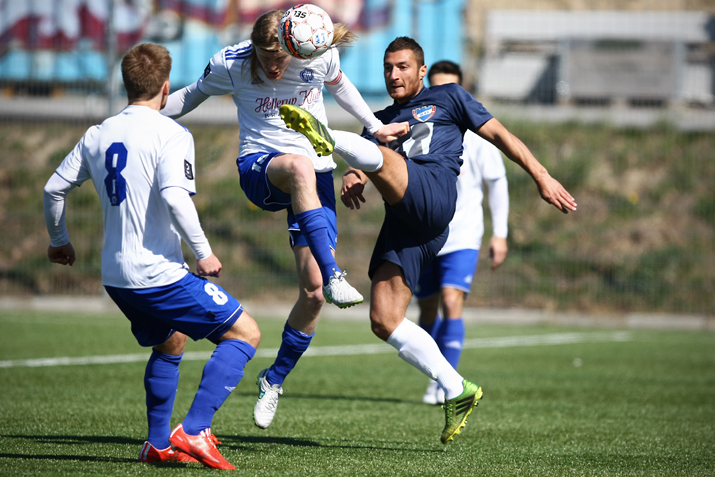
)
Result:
{"points": [[438, 117]]}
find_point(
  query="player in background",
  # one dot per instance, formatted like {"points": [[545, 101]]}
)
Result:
{"points": [[279, 170], [142, 167], [416, 176], [447, 280]]}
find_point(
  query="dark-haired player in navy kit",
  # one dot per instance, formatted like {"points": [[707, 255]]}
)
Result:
{"points": [[416, 176]]}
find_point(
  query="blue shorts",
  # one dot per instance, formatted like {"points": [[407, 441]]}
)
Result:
{"points": [[193, 305], [453, 270], [415, 230], [266, 196]]}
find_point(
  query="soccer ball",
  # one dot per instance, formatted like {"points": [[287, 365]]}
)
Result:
{"points": [[305, 31]]}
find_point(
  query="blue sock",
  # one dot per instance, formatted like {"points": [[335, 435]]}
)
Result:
{"points": [[222, 373], [450, 339], [161, 379], [433, 328], [292, 348], [314, 227]]}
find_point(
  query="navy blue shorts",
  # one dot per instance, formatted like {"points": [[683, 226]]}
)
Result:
{"points": [[193, 305], [415, 230], [453, 270], [266, 196]]}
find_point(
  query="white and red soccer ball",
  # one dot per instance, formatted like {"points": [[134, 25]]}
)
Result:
{"points": [[305, 31]]}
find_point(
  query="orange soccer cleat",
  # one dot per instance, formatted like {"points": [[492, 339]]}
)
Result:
{"points": [[213, 438], [150, 453], [201, 447]]}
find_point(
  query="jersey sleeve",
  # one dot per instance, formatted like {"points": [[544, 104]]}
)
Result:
{"points": [[177, 163], [216, 79], [74, 168], [333, 74], [493, 162], [499, 206], [349, 98], [471, 114]]}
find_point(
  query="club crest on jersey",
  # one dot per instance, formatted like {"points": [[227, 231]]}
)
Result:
{"points": [[207, 70], [423, 113], [188, 170], [307, 75]]}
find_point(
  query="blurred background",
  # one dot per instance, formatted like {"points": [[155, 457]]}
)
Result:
{"points": [[615, 98]]}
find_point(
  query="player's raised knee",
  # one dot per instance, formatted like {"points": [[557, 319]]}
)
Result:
{"points": [[300, 166]]}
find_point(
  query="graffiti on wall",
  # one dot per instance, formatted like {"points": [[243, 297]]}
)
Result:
{"points": [[66, 40]]}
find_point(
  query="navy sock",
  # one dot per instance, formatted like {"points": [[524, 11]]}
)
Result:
{"points": [[314, 227], [450, 339], [433, 328], [161, 379], [222, 373], [292, 348]]}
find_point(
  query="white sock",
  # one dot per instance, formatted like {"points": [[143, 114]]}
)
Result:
{"points": [[357, 151], [417, 347]]}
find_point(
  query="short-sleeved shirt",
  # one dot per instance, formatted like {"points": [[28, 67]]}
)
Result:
{"points": [[257, 103], [415, 229], [438, 117], [130, 158]]}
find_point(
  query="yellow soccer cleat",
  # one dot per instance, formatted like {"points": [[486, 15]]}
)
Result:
{"points": [[305, 123], [457, 410]]}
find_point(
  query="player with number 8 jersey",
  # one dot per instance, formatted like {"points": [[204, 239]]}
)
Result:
{"points": [[142, 167]]}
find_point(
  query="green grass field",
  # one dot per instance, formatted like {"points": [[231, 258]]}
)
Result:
{"points": [[630, 403]]}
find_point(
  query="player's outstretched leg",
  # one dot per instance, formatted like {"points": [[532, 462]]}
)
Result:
{"points": [[265, 409], [457, 410], [339, 292], [305, 123], [355, 150], [416, 347]]}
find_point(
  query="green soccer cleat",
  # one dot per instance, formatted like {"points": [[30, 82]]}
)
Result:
{"points": [[458, 409], [305, 123]]}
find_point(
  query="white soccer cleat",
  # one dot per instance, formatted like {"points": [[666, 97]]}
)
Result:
{"points": [[434, 394], [267, 404], [339, 292]]}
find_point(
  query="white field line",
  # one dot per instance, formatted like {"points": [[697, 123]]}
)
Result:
{"points": [[348, 350]]}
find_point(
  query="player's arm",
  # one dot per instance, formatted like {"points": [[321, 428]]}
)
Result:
{"points": [[186, 222], [215, 80], [550, 189], [354, 182], [184, 101], [498, 191], [348, 97], [60, 249]]}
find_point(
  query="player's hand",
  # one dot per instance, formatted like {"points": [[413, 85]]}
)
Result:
{"points": [[554, 193], [63, 255], [497, 251], [391, 132], [209, 267], [353, 187]]}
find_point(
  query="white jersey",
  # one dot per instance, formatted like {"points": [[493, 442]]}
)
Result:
{"points": [[130, 158], [262, 129], [482, 161]]}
